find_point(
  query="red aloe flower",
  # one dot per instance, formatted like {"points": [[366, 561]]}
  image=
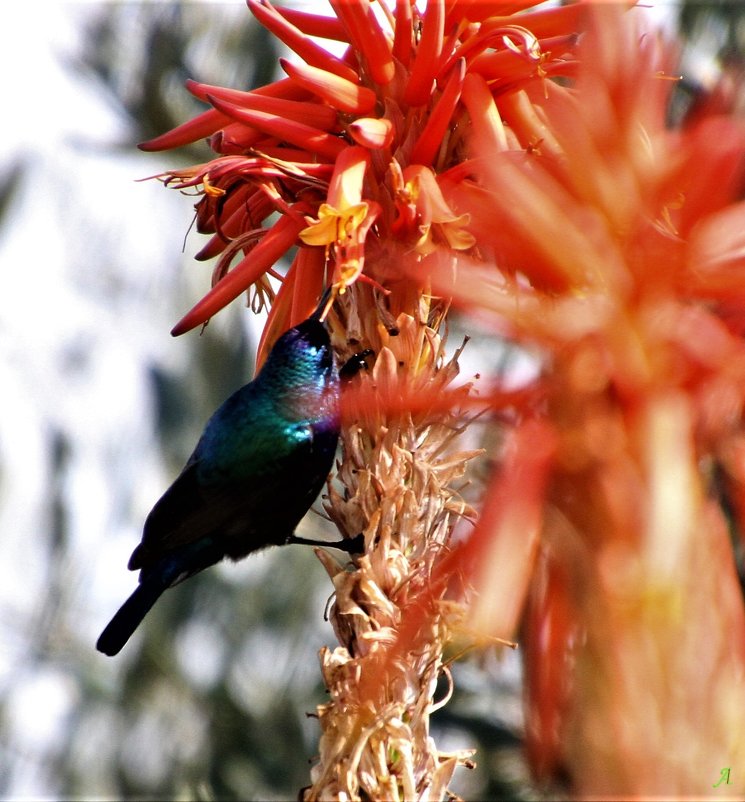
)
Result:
{"points": [[390, 105]]}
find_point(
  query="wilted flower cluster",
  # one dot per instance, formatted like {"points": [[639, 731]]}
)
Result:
{"points": [[439, 157]]}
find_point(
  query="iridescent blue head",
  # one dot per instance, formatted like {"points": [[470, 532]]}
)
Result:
{"points": [[301, 374], [301, 355]]}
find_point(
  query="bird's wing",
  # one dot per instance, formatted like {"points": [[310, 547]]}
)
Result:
{"points": [[191, 510]]}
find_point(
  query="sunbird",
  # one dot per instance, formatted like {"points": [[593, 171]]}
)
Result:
{"points": [[257, 468]]}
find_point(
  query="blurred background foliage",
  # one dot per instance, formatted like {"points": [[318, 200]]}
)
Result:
{"points": [[214, 698]]}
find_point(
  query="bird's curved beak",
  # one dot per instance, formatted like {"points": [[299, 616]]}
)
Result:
{"points": [[327, 299]]}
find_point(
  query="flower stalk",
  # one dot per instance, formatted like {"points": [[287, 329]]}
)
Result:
{"points": [[397, 472]]}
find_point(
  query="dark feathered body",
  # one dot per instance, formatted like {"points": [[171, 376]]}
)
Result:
{"points": [[260, 463]]}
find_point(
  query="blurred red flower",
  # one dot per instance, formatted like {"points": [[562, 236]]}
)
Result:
{"points": [[619, 245]]}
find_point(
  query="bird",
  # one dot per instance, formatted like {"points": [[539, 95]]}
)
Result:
{"points": [[260, 463]]}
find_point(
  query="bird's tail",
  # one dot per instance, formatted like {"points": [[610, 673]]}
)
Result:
{"points": [[130, 615], [172, 569]]}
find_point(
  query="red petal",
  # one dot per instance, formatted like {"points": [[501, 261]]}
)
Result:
{"points": [[296, 299], [479, 10], [373, 133], [440, 118], [345, 185], [337, 92], [200, 127], [315, 24], [505, 541], [308, 284], [312, 114], [369, 39], [233, 221], [546, 22], [488, 130], [426, 65], [504, 65], [269, 250], [296, 40], [551, 628], [403, 37], [235, 139], [296, 133], [283, 89]]}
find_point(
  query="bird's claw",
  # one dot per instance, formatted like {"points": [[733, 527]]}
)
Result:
{"points": [[352, 545], [354, 365]]}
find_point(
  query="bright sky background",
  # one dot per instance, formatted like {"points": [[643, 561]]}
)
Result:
{"points": [[86, 263]]}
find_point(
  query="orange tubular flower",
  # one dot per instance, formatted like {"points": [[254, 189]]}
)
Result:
{"points": [[396, 95]]}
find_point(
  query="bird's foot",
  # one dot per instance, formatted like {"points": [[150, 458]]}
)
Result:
{"points": [[354, 365], [352, 545]]}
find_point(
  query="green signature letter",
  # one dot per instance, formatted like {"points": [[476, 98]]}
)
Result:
{"points": [[723, 778]]}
